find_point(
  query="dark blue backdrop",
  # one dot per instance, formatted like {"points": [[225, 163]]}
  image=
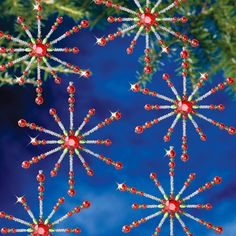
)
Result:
{"points": [[108, 90]]}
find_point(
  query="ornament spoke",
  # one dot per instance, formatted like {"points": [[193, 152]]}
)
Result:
{"points": [[156, 5], [58, 164], [198, 129], [185, 228], [86, 166], [231, 130], [217, 180]]}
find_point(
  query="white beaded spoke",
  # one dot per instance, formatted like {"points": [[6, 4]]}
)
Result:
{"points": [[52, 141], [191, 195], [25, 57], [47, 131], [167, 8], [172, 185], [165, 19], [17, 50], [58, 60], [167, 30], [147, 41], [156, 34], [52, 151], [156, 5], [171, 226], [80, 156], [166, 116], [129, 19], [71, 120], [18, 230], [190, 206], [21, 42], [164, 107], [127, 10], [58, 49], [204, 96], [181, 223], [127, 29], [91, 131], [41, 209], [162, 220], [138, 5], [61, 158], [204, 117], [191, 217], [165, 98], [184, 85], [56, 222], [151, 206], [184, 127], [138, 33], [147, 2], [193, 122], [20, 221], [90, 141], [204, 107], [152, 197], [58, 39], [153, 215]]}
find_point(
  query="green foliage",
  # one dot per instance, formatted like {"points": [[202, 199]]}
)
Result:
{"points": [[212, 22]]}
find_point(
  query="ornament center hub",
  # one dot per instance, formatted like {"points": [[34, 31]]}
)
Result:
{"points": [[147, 19], [172, 206], [71, 141], [39, 50], [185, 107], [40, 230]]}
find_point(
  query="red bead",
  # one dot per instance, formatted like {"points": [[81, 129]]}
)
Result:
{"points": [[2, 214], [71, 192], [194, 43], [71, 89], [61, 200], [26, 164], [84, 24], [139, 129], [20, 19], [4, 230], [135, 206], [126, 229], [71, 142], [117, 115], [208, 206], [52, 111], [166, 76], [147, 19], [185, 107], [59, 20], [172, 206], [184, 157], [123, 187], [184, 54], [219, 229], [232, 130], [102, 42], [77, 231], [39, 50], [147, 69], [153, 176], [171, 153], [40, 178], [192, 176], [118, 165], [229, 81], [39, 100], [217, 180], [22, 123], [40, 230], [86, 204]]}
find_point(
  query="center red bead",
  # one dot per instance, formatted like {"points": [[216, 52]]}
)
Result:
{"points": [[71, 141], [185, 107], [39, 50], [40, 230], [172, 206], [147, 19]]}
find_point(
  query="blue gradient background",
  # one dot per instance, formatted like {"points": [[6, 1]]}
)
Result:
{"points": [[108, 90]]}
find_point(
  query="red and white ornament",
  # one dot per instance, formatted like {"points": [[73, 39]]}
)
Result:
{"points": [[42, 226], [39, 51], [184, 107], [148, 20], [172, 206], [71, 142]]}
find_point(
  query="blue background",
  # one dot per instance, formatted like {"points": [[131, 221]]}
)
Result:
{"points": [[108, 90]]}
